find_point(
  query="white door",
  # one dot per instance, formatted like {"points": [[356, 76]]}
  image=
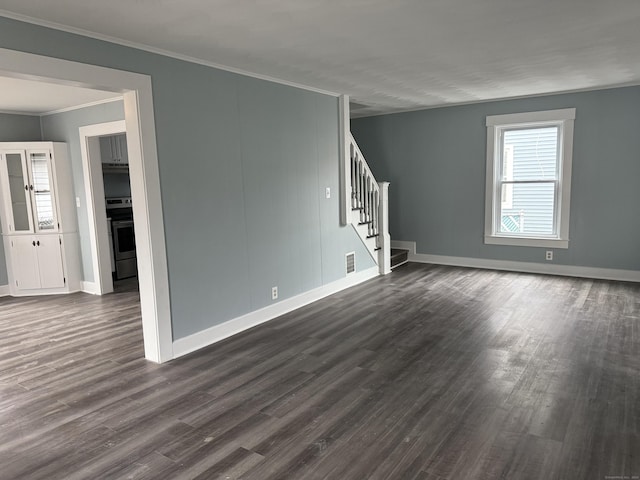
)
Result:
{"points": [[25, 262], [50, 261]]}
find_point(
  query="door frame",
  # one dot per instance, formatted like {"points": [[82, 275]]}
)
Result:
{"points": [[144, 176], [95, 200]]}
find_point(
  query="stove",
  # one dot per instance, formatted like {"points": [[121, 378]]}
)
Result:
{"points": [[120, 213]]}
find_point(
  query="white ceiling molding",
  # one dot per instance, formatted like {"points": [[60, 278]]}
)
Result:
{"points": [[29, 97], [159, 51], [84, 105]]}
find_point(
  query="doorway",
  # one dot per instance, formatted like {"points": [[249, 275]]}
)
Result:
{"points": [[145, 182]]}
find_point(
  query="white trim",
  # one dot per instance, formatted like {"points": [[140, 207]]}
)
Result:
{"points": [[78, 107], [5, 291], [143, 169], [524, 118], [344, 135], [199, 340], [530, 267], [15, 112], [526, 241], [159, 51], [496, 124], [89, 287], [94, 197]]}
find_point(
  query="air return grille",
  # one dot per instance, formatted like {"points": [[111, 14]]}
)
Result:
{"points": [[350, 260]]}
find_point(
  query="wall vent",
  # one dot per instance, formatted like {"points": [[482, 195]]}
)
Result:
{"points": [[350, 260]]}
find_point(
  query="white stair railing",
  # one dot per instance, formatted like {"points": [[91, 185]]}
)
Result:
{"points": [[369, 206], [364, 202]]}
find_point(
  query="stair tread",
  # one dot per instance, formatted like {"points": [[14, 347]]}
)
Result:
{"points": [[399, 256]]}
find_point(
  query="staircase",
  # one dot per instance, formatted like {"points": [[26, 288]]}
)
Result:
{"points": [[399, 256], [367, 205], [368, 209], [364, 201]]}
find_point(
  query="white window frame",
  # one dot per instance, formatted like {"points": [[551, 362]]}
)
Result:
{"points": [[496, 125]]}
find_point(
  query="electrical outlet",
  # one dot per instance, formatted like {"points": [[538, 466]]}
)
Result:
{"points": [[274, 293], [549, 255], [327, 192]]}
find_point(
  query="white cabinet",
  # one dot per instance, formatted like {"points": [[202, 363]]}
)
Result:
{"points": [[113, 149], [39, 222], [29, 190], [38, 261]]}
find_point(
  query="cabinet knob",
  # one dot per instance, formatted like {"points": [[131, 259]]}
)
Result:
{"points": [[30, 187], [38, 243], [26, 187], [33, 243]]}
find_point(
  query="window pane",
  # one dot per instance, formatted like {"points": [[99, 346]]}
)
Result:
{"points": [[18, 193], [42, 191], [532, 210], [533, 151]]}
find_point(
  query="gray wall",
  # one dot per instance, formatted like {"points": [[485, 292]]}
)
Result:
{"points": [[16, 128], [64, 127], [435, 160], [243, 168], [19, 128]]}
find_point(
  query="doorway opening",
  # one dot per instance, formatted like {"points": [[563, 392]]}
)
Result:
{"points": [[145, 183]]}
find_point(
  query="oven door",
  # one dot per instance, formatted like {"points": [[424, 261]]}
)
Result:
{"points": [[124, 240]]}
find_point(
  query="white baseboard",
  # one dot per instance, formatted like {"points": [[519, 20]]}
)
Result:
{"points": [[4, 291], [194, 342], [523, 267], [89, 287]]}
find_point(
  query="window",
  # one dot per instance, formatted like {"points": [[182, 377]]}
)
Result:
{"points": [[529, 178]]}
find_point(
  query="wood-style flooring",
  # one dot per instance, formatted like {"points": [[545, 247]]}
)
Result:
{"points": [[427, 373]]}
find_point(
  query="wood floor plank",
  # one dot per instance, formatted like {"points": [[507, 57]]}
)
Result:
{"points": [[429, 373]]}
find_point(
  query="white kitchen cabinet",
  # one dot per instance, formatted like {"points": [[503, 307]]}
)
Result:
{"points": [[39, 220], [38, 262], [113, 150]]}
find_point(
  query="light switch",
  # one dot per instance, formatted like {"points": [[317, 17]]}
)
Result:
{"points": [[327, 192], [78, 202]]}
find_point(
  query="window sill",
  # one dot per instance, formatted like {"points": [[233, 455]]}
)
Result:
{"points": [[526, 242]]}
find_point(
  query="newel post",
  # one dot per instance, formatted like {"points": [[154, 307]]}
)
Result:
{"points": [[344, 126], [384, 254]]}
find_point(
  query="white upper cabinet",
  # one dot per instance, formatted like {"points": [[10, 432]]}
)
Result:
{"points": [[29, 178], [113, 149]]}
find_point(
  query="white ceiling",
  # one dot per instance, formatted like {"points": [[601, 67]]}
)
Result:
{"points": [[26, 96], [388, 55]]}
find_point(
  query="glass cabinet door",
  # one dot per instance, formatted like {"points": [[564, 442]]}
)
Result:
{"points": [[43, 199], [20, 209]]}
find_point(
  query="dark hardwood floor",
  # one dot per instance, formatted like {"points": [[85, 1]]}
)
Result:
{"points": [[426, 373]]}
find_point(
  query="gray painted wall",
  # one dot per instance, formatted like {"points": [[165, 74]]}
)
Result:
{"points": [[19, 128], [243, 168], [64, 127], [16, 128], [435, 161]]}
